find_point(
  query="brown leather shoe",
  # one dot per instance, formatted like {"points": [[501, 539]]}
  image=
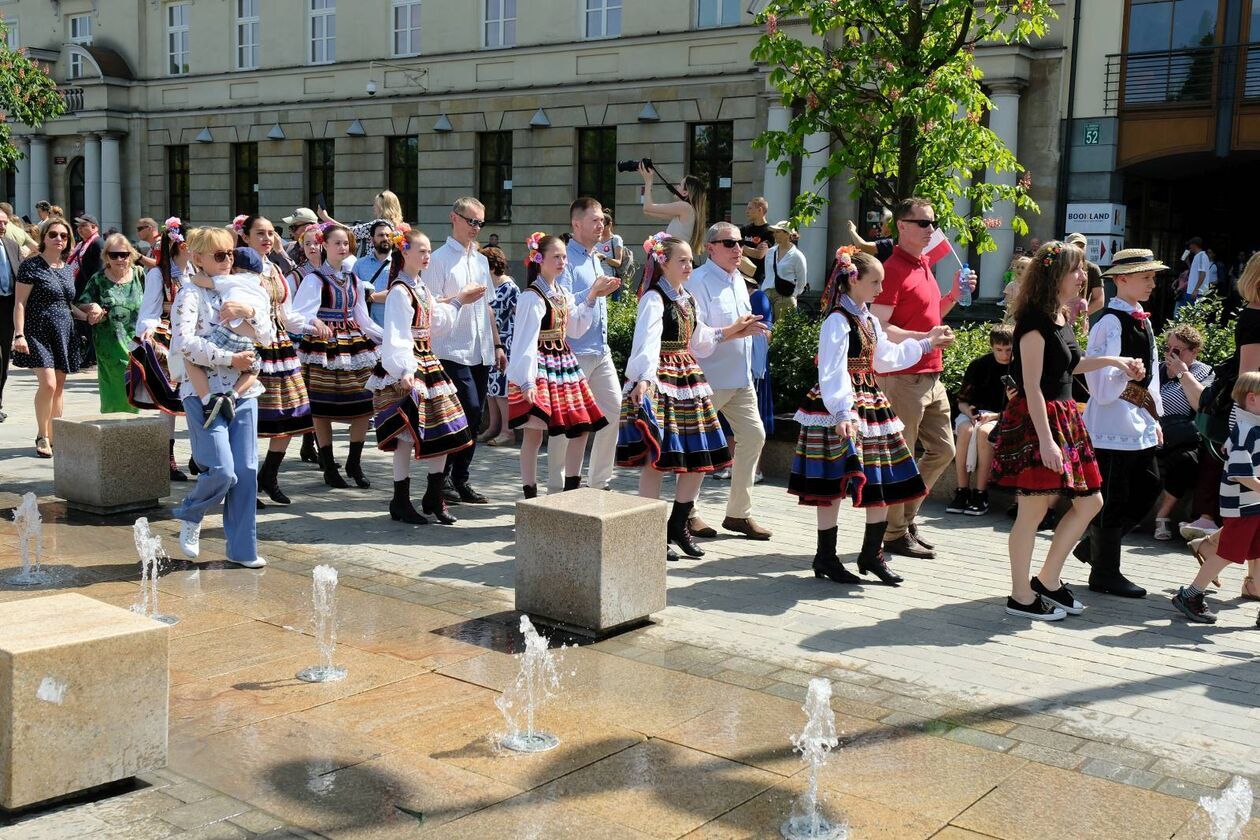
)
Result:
{"points": [[698, 528], [908, 546], [918, 537], [747, 527]]}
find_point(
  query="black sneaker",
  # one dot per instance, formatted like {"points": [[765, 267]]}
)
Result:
{"points": [[962, 499], [213, 409], [1061, 597], [1039, 610], [1193, 607], [979, 503]]}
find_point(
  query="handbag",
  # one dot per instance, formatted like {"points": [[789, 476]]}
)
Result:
{"points": [[1216, 404], [785, 288], [1180, 431]]}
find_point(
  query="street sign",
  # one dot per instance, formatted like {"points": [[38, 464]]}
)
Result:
{"points": [[1095, 218], [1091, 134]]}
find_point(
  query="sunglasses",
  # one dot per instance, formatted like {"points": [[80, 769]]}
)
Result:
{"points": [[222, 256], [725, 243], [923, 223], [142, 229], [56, 234], [476, 223], [118, 255]]}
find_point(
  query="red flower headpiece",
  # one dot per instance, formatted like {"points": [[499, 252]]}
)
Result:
{"points": [[534, 255]]}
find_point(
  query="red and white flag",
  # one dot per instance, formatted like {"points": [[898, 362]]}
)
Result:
{"points": [[938, 247]]}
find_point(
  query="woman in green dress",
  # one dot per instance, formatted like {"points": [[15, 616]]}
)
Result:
{"points": [[111, 303]]}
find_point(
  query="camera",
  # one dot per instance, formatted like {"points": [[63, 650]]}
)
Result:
{"points": [[371, 88], [633, 165]]}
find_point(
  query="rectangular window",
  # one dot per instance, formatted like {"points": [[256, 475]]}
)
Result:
{"points": [[80, 33], [403, 172], [245, 178], [710, 150], [323, 31], [718, 13], [597, 164], [500, 28], [177, 192], [406, 27], [603, 18], [319, 173], [11, 37], [494, 174], [247, 34], [177, 39]]}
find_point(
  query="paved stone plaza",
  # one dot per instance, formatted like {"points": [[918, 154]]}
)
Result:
{"points": [[959, 721]]}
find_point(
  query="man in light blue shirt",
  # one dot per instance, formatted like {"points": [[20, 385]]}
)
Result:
{"points": [[373, 269], [586, 219]]}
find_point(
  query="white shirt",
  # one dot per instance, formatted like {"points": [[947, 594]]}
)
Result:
{"points": [[1200, 263], [522, 368], [645, 353], [789, 266], [245, 288], [191, 316], [452, 268], [150, 314], [1114, 423], [398, 355], [721, 298]]}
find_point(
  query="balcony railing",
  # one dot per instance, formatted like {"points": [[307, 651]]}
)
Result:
{"points": [[73, 97], [1190, 77]]}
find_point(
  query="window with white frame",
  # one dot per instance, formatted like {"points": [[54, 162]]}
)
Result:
{"points": [[247, 34], [603, 18], [718, 13], [11, 38], [81, 34], [500, 28], [406, 27], [177, 39], [323, 30]]}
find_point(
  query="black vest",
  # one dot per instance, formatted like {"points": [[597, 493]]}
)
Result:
{"points": [[1137, 340]]}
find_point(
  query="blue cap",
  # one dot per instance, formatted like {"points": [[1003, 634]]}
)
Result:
{"points": [[247, 258]]}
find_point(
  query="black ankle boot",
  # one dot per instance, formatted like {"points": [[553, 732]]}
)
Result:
{"points": [[400, 507], [871, 559], [176, 473], [309, 454], [354, 465], [1104, 575], [332, 475], [677, 532], [671, 556], [572, 482], [434, 503], [268, 478], [827, 564], [530, 490], [193, 469]]}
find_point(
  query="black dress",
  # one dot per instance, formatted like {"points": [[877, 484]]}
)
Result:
{"points": [[48, 328]]}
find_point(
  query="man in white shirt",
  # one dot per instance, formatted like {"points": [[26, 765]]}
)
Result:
{"points": [[468, 350], [1200, 268], [786, 275], [721, 298]]}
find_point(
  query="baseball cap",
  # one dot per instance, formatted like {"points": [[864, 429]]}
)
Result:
{"points": [[301, 216]]}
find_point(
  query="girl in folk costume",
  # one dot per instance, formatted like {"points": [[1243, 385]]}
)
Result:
{"points": [[417, 411], [149, 383], [338, 354], [311, 258], [850, 442], [284, 409], [668, 422], [547, 391]]}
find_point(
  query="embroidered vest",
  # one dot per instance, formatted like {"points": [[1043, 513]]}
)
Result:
{"points": [[421, 316], [862, 351], [551, 334], [678, 321], [337, 297]]}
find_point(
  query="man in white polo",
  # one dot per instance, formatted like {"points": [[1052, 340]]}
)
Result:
{"points": [[721, 298]]}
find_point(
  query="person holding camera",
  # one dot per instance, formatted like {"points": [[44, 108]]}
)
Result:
{"points": [[686, 216]]}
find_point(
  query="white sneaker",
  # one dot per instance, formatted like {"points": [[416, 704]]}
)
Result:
{"points": [[256, 563], [190, 539], [1197, 529], [722, 475]]}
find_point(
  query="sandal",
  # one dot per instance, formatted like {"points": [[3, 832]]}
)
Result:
{"points": [[1194, 546], [502, 440], [1250, 592], [42, 447]]}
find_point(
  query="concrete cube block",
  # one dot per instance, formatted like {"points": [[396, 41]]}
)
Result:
{"points": [[83, 696], [590, 560], [110, 464]]}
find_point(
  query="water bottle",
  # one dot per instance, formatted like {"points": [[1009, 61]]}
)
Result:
{"points": [[964, 288]]}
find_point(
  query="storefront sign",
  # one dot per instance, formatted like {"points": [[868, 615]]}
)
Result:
{"points": [[1096, 218], [1101, 249]]}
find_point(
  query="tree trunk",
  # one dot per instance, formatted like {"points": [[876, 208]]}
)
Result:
{"points": [[907, 158]]}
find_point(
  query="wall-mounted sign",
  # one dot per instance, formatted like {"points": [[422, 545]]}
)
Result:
{"points": [[1102, 249], [1091, 132], [1096, 218]]}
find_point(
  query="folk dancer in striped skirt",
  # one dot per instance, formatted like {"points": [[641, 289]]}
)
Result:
{"points": [[850, 442], [284, 409], [547, 391], [418, 413], [149, 383], [338, 354], [311, 257], [668, 422]]}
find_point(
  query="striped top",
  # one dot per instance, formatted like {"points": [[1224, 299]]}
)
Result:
{"points": [[1173, 395], [1244, 462]]}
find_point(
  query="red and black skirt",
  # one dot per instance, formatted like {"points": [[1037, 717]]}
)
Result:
{"points": [[148, 376], [562, 398], [1017, 452]]}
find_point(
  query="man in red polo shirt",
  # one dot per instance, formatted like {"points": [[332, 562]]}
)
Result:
{"points": [[909, 306]]}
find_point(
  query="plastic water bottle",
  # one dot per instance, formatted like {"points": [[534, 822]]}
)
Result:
{"points": [[964, 288]]}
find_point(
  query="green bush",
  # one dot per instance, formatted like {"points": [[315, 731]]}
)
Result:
{"points": [[621, 316], [971, 341], [1205, 316], [793, 349]]}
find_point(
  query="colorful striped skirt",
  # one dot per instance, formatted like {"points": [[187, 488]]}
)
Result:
{"points": [[284, 408], [678, 430], [430, 413], [1017, 452], [336, 371], [563, 402], [149, 382], [876, 470]]}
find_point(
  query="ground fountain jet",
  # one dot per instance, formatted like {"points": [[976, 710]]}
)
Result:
{"points": [[324, 597], [815, 743], [1230, 811], [537, 682], [149, 547], [30, 530]]}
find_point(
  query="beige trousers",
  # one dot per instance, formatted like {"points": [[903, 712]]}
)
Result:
{"points": [[739, 406], [919, 400]]}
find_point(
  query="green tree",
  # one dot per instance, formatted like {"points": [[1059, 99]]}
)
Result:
{"points": [[895, 85], [28, 95]]}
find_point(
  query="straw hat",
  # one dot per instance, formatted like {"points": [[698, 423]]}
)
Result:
{"points": [[749, 270], [1134, 261]]}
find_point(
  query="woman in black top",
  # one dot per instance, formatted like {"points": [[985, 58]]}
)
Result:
{"points": [[1043, 450]]}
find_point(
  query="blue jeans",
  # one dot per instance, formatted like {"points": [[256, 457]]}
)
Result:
{"points": [[228, 454]]}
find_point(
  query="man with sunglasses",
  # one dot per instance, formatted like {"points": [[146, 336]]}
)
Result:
{"points": [[721, 299], [910, 306], [302, 218], [147, 231]]}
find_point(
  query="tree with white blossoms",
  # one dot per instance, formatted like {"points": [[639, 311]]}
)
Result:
{"points": [[28, 95], [895, 85]]}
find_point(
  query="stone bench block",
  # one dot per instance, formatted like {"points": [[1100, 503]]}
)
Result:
{"points": [[83, 696], [590, 560], [110, 463]]}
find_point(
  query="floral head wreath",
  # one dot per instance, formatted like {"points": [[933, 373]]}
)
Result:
{"points": [[317, 232], [239, 223], [844, 265], [173, 228], [1053, 250], [400, 240], [534, 255], [654, 245]]}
